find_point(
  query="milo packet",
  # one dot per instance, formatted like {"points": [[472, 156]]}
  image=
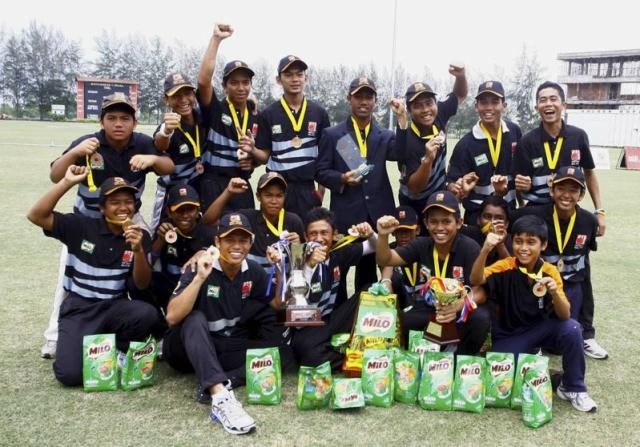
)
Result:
{"points": [[340, 341], [468, 387], [347, 393], [99, 370], [406, 379], [499, 379], [419, 344], [263, 376], [525, 362], [436, 382], [314, 386], [537, 395], [139, 365], [377, 377]]}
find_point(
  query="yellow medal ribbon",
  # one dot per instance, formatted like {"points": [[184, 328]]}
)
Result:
{"points": [[412, 278], [344, 242], [182, 234], [556, 225], [553, 161], [297, 125], [242, 131], [436, 264], [194, 144], [534, 276], [361, 144], [274, 230], [495, 150], [427, 137], [90, 181]]}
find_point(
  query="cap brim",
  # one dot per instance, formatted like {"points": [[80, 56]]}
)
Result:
{"points": [[278, 179], [188, 202], [423, 92], [408, 227], [107, 106], [360, 87], [231, 230], [300, 62], [108, 192], [490, 92], [248, 70], [172, 91], [439, 205], [573, 179]]}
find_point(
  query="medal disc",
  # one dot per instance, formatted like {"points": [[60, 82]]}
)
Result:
{"points": [[296, 142], [560, 265], [539, 289], [199, 168], [170, 236], [214, 252], [126, 223]]}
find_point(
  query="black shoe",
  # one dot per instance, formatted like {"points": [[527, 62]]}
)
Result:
{"points": [[556, 378], [202, 395]]}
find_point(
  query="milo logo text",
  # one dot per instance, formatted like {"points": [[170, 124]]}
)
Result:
{"points": [[470, 370], [539, 381], [349, 398], [501, 367], [439, 365], [377, 364], [96, 351], [261, 363], [374, 322], [142, 352]]}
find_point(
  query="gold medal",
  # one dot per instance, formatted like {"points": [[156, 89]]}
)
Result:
{"points": [[214, 252], [126, 223], [96, 161], [199, 168], [539, 289], [296, 142], [170, 237], [560, 265]]}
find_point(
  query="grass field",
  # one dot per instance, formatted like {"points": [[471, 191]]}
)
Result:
{"points": [[36, 410]]}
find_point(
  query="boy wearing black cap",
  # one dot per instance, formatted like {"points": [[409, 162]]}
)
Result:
{"points": [[270, 222], [218, 312], [445, 254], [288, 134], [486, 152], [550, 146], [115, 151], [572, 236], [177, 239], [352, 164], [530, 308], [233, 122], [104, 253]]}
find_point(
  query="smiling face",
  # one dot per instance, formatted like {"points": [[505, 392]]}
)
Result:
{"points": [[442, 225], [549, 105], [423, 110], [119, 206], [185, 217], [490, 109], [118, 126], [234, 247], [527, 248], [292, 80], [271, 198], [182, 101], [321, 232], [362, 103], [492, 213], [238, 86], [566, 195]]}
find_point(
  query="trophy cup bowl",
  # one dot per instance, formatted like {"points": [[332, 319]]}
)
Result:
{"points": [[445, 291], [298, 311]]}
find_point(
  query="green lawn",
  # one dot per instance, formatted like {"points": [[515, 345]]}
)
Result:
{"points": [[35, 409]]}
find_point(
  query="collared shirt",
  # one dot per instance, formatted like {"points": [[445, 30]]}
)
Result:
{"points": [[221, 298], [462, 255], [111, 163], [530, 158], [275, 133], [99, 262], [411, 149], [511, 293], [472, 154], [580, 243]]}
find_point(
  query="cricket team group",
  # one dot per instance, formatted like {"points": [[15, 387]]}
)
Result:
{"points": [[206, 276]]}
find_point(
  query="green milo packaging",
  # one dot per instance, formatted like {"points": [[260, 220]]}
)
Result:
{"points": [[406, 379], [468, 387], [499, 379], [99, 370], [525, 362], [340, 341], [347, 393], [139, 365], [377, 377], [436, 381], [314, 386], [419, 344], [537, 396], [263, 376]]}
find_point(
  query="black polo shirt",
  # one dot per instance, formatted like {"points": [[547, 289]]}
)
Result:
{"points": [[221, 299], [581, 241], [472, 154], [511, 294], [462, 255], [174, 256], [275, 133], [221, 154], [99, 262], [474, 232], [111, 163], [530, 159]]}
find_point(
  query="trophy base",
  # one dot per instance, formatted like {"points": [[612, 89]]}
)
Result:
{"points": [[442, 333], [303, 316]]}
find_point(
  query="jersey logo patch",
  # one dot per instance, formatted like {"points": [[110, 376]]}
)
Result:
{"points": [[458, 272], [254, 130], [226, 119], [276, 129], [87, 246], [316, 287], [246, 289], [581, 239], [336, 273], [575, 157], [537, 162], [213, 291], [127, 258], [311, 128], [425, 273], [514, 146], [481, 159], [183, 149], [171, 251]]}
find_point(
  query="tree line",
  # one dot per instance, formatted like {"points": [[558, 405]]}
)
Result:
{"points": [[39, 65]]}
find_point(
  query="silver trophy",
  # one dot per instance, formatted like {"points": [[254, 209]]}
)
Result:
{"points": [[299, 312]]}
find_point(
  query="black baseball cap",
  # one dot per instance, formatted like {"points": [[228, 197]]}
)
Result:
{"points": [[494, 88], [406, 216], [269, 177], [290, 60], [234, 222], [445, 200], [362, 82], [418, 88], [115, 99], [175, 82], [236, 65], [113, 184], [570, 173], [181, 195]]}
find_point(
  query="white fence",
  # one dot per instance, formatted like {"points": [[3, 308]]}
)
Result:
{"points": [[608, 128]]}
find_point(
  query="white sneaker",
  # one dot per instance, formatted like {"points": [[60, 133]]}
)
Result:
{"points": [[594, 350], [48, 350], [580, 401], [226, 409]]}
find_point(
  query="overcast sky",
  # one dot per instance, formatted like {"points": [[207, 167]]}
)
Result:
{"points": [[486, 36]]}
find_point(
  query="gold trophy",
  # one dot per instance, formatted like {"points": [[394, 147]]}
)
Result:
{"points": [[445, 292]]}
